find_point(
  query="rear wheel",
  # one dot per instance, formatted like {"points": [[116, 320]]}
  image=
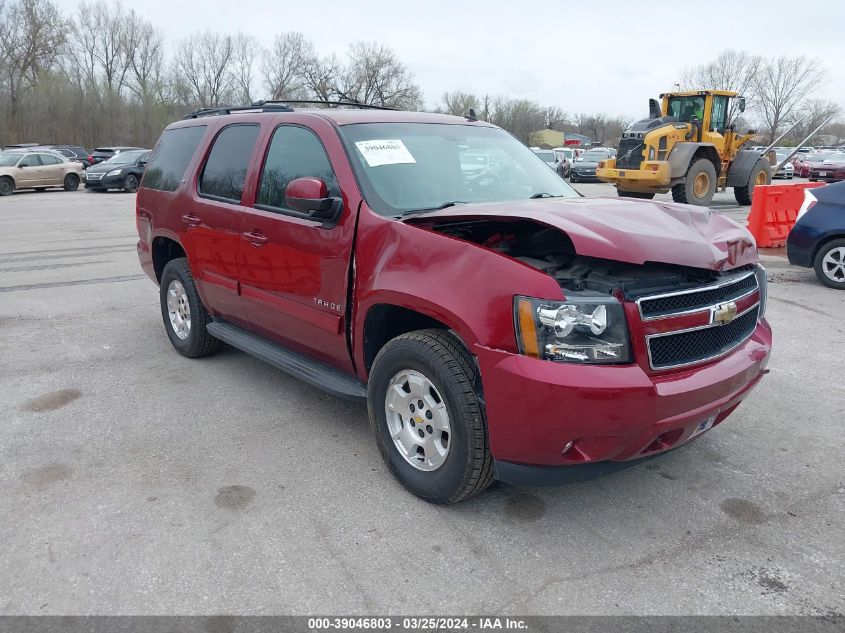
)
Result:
{"points": [[700, 184], [830, 264], [71, 182], [7, 186], [760, 175], [185, 317], [427, 416], [634, 194]]}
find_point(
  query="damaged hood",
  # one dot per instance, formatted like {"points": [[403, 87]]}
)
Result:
{"points": [[634, 231]]}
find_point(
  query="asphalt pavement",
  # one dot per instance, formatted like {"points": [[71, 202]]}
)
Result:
{"points": [[136, 481]]}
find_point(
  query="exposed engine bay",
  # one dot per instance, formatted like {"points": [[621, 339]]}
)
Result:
{"points": [[551, 251]]}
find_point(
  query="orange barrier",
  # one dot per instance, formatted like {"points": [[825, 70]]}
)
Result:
{"points": [[774, 209]]}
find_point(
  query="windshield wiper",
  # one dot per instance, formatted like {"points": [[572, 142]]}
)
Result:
{"points": [[543, 194], [445, 205]]}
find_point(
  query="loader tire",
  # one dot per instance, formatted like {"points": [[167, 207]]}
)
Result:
{"points": [[760, 175], [700, 184]]}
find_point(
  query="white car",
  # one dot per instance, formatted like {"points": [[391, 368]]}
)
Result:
{"points": [[787, 171]]}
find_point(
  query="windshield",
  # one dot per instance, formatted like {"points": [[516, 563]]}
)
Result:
{"points": [[125, 158], [8, 159], [592, 157], [421, 166], [835, 156], [685, 108], [549, 157]]}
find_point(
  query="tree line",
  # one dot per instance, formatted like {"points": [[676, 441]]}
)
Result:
{"points": [[106, 75]]}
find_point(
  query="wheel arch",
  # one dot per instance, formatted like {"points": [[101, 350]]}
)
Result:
{"points": [[165, 249], [822, 242], [684, 154], [386, 320]]}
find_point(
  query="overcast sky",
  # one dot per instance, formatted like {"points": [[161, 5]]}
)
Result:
{"points": [[589, 56]]}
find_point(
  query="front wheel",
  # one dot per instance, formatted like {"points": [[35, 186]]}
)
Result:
{"points": [[130, 183], [185, 317], [7, 186], [428, 418], [71, 182], [830, 264], [700, 184]]}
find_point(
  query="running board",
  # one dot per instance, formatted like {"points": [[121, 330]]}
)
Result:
{"points": [[313, 372]]}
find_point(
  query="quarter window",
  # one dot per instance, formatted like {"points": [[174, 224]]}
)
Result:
{"points": [[171, 156], [224, 174], [295, 152]]}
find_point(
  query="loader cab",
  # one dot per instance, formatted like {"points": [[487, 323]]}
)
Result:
{"points": [[708, 110]]}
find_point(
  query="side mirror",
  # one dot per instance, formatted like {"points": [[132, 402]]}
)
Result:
{"points": [[311, 196], [142, 163]]}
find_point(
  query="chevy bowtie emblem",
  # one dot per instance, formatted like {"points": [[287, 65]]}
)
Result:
{"points": [[723, 313]]}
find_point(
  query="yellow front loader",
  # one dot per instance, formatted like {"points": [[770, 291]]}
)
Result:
{"points": [[686, 146]]}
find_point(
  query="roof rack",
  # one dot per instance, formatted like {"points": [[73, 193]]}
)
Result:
{"points": [[280, 106]]}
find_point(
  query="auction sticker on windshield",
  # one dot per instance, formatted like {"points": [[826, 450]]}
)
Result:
{"points": [[392, 152]]}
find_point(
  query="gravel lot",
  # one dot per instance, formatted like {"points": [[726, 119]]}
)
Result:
{"points": [[136, 481]]}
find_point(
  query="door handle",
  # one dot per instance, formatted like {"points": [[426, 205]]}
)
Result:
{"points": [[191, 220], [255, 238]]}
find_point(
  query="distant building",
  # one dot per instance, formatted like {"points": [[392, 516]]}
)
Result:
{"points": [[547, 139]]}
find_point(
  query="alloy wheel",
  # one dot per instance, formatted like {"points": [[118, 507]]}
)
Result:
{"points": [[833, 264], [417, 420], [178, 309]]}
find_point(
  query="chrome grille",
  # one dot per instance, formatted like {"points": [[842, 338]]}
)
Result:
{"points": [[658, 306], [687, 347], [93, 176]]}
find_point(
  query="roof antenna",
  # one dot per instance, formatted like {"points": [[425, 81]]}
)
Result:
{"points": [[471, 116]]}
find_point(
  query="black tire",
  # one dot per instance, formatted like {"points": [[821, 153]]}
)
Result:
{"points": [[818, 264], [745, 194], [443, 360], [572, 178], [634, 194], [71, 182], [131, 183], [198, 341], [688, 192], [7, 186]]}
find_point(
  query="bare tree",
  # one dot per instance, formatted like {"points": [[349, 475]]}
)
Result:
{"points": [[814, 113], [245, 50], [285, 66], [732, 70], [459, 103], [320, 77], [520, 117], [782, 85], [374, 75], [145, 49], [203, 69], [554, 117], [32, 33]]}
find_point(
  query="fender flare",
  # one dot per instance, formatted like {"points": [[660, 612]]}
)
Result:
{"points": [[682, 154]]}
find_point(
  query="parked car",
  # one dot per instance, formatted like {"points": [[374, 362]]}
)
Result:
{"points": [[787, 171], [803, 163], [565, 157], [584, 167], [499, 327], [101, 154], [548, 157], [818, 238], [830, 169], [39, 169], [74, 152], [121, 171]]}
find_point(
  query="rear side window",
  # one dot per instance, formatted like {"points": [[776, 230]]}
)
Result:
{"points": [[46, 159], [295, 152], [171, 157], [224, 173]]}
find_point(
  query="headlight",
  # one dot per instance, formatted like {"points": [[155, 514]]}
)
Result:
{"points": [[762, 283], [583, 329], [114, 172]]}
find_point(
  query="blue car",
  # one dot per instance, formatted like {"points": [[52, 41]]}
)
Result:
{"points": [[818, 238]]}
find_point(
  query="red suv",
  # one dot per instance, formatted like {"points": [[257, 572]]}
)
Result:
{"points": [[498, 324]]}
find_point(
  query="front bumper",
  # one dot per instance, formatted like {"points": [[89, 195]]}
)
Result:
{"points": [[650, 177], [106, 182], [610, 413]]}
